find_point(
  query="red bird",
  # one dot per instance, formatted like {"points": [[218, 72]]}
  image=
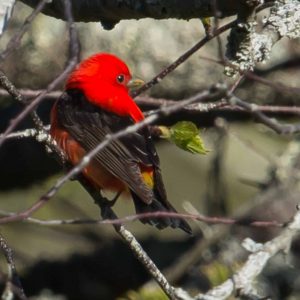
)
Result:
{"points": [[95, 103]]}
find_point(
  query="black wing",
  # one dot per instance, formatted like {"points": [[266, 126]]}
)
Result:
{"points": [[89, 125]]}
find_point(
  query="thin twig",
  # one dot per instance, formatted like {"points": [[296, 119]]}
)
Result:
{"points": [[182, 59], [13, 284], [15, 41], [26, 133], [221, 105], [157, 214], [27, 93], [270, 122], [277, 86], [72, 62]]}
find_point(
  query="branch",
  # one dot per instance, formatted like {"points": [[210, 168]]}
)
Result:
{"points": [[246, 47], [182, 58], [28, 133], [6, 9], [13, 284], [15, 41], [109, 13], [157, 214], [276, 85], [221, 105], [130, 240], [71, 63], [270, 122], [242, 281], [147, 262]]}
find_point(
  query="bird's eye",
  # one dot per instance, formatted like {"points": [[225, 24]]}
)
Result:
{"points": [[120, 78]]}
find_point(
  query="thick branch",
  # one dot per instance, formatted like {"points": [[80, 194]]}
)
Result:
{"points": [[247, 46], [111, 12]]}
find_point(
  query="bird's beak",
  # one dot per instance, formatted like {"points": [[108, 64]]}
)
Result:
{"points": [[135, 83]]}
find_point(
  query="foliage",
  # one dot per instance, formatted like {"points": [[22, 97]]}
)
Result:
{"points": [[185, 135]]}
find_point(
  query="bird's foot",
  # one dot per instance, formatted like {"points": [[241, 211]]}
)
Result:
{"points": [[106, 205]]}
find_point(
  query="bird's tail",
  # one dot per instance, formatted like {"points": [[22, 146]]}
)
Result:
{"points": [[159, 222]]}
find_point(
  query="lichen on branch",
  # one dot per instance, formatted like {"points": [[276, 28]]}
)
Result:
{"points": [[246, 46]]}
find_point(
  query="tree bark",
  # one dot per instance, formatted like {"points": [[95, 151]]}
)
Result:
{"points": [[109, 13]]}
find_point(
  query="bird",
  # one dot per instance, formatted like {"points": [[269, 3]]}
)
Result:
{"points": [[95, 103]]}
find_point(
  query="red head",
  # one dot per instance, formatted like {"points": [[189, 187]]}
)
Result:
{"points": [[103, 78]]}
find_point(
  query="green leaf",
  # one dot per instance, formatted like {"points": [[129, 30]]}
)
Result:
{"points": [[183, 131], [196, 145], [186, 136]]}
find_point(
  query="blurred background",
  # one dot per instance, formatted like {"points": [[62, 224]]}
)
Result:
{"points": [[234, 178]]}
